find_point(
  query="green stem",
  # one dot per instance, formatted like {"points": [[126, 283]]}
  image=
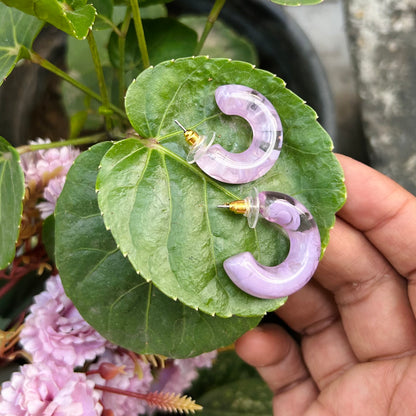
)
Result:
{"points": [[140, 32], [44, 63], [100, 76], [122, 54], [71, 142], [212, 17]]}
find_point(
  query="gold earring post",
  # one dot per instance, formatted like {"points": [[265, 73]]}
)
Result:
{"points": [[192, 137]]}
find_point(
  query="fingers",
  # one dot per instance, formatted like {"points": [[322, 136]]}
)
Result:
{"points": [[384, 211], [325, 347], [371, 296], [277, 358]]}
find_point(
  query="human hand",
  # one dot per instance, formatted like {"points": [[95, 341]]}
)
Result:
{"points": [[356, 317]]}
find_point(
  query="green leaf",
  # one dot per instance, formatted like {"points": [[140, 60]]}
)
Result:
{"points": [[17, 32], [72, 17], [104, 9], [109, 293], [244, 397], [227, 368], [48, 236], [12, 190], [83, 111], [296, 2], [166, 38], [222, 42], [162, 211]]}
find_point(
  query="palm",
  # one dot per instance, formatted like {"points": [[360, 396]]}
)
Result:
{"points": [[378, 388], [356, 318]]}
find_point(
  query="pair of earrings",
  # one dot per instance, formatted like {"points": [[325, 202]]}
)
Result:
{"points": [[305, 245]]}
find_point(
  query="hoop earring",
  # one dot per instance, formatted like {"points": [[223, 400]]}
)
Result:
{"points": [[258, 159], [305, 247]]}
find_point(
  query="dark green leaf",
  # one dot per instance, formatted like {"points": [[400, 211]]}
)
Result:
{"points": [[244, 397], [222, 41], [72, 17], [227, 368], [48, 236], [17, 31], [12, 189], [162, 211], [166, 38], [20, 296], [109, 293]]}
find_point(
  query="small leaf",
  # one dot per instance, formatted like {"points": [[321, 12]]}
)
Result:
{"points": [[109, 293], [17, 31], [74, 18], [296, 2], [12, 189], [162, 211]]}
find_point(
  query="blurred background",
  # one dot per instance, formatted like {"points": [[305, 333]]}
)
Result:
{"points": [[368, 50], [353, 61]]}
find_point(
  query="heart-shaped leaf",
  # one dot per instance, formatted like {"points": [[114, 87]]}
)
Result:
{"points": [[17, 31], [162, 211], [109, 293], [12, 189], [73, 17]]}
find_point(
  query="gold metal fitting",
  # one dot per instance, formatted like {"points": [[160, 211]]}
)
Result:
{"points": [[238, 207], [191, 136]]}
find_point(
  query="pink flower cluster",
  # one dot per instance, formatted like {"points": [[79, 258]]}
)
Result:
{"points": [[55, 331], [47, 169], [60, 340], [48, 390]]}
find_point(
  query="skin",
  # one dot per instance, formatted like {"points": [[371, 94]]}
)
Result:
{"points": [[356, 317]]}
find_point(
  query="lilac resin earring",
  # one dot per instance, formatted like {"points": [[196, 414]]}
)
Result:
{"points": [[265, 147], [305, 247]]}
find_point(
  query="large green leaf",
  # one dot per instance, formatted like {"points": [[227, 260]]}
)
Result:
{"points": [[296, 2], [74, 17], [162, 211], [17, 31], [12, 189], [109, 293]]}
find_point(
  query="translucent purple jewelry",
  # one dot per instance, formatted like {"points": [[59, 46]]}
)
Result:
{"points": [[265, 147], [305, 246]]}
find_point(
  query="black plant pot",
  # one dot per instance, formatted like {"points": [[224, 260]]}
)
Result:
{"points": [[282, 47]]}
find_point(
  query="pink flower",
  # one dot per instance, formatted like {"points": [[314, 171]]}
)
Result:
{"points": [[42, 165], [55, 331], [129, 380], [51, 192], [180, 373], [49, 390]]}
